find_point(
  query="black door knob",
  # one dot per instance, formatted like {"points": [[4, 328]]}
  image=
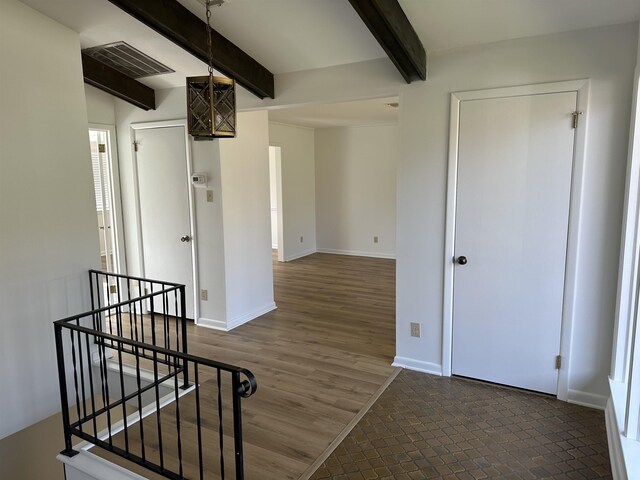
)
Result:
{"points": [[462, 260]]}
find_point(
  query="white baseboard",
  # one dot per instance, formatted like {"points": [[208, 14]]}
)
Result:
{"points": [[586, 399], [417, 365], [210, 323], [296, 256], [618, 470], [357, 253], [236, 322], [247, 317], [86, 465]]}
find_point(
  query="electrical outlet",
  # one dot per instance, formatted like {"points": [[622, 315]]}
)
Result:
{"points": [[204, 295], [301, 239], [415, 329], [375, 239], [210, 196]]}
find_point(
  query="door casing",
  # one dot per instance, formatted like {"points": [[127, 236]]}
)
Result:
{"points": [[192, 219], [581, 87]]}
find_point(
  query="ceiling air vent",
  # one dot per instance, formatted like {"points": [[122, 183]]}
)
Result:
{"points": [[126, 59]]}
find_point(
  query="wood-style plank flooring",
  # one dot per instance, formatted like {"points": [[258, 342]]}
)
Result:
{"points": [[318, 359]]}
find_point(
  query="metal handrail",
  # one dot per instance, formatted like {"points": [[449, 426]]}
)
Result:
{"points": [[87, 341]]}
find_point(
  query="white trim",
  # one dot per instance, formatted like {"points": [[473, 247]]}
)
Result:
{"points": [[279, 206], [116, 193], [298, 255], [211, 323], [618, 470], [96, 467], [629, 246], [586, 399], [236, 322], [192, 214], [417, 365], [619, 444], [282, 124], [573, 235], [247, 317], [357, 253]]}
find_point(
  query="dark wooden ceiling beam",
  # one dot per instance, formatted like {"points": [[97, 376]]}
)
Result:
{"points": [[390, 26], [178, 24], [118, 84]]}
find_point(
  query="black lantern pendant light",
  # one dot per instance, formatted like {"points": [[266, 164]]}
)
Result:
{"points": [[211, 101]]}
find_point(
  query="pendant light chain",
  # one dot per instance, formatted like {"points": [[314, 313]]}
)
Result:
{"points": [[209, 44]]}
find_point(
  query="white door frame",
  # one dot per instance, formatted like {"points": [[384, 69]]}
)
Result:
{"points": [[116, 197], [577, 178], [192, 217], [279, 201]]}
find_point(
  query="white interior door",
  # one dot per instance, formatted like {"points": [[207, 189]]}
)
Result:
{"points": [[163, 184], [514, 180]]}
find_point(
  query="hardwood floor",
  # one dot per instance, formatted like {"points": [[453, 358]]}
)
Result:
{"points": [[318, 359]]}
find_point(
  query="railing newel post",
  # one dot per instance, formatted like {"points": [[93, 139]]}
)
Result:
{"points": [[237, 425], [64, 399]]}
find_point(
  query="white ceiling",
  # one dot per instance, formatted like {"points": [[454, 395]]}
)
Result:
{"points": [[364, 112], [293, 35], [445, 24]]}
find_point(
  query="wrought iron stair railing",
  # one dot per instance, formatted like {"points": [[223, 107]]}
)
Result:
{"points": [[136, 390]]}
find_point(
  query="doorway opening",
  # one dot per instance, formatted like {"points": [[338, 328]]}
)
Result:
{"points": [[101, 142], [275, 194]]}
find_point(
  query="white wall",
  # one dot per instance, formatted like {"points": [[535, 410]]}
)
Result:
{"points": [[230, 230], [244, 162], [101, 107], [354, 81], [607, 56], [356, 189], [48, 237], [298, 188], [171, 105]]}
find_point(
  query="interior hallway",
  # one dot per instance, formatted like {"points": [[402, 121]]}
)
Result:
{"points": [[318, 359]]}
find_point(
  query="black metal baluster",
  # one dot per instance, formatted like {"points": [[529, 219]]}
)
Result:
{"points": [[93, 399], [155, 379], [183, 319], [75, 376], [142, 446], [198, 421], [123, 394], [105, 371], [177, 394], [82, 387], [140, 291], [220, 427]]}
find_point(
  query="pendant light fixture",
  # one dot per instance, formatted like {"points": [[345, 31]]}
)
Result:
{"points": [[211, 101]]}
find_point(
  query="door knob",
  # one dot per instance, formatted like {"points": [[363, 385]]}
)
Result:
{"points": [[185, 238], [462, 260]]}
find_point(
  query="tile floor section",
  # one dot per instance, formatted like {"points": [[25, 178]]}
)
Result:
{"points": [[455, 429]]}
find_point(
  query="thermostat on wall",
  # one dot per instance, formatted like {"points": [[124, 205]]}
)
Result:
{"points": [[199, 179]]}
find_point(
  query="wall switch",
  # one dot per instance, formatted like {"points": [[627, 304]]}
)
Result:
{"points": [[375, 239], [204, 295], [210, 196], [415, 329], [301, 239]]}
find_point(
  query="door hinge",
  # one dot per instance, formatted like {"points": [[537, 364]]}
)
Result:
{"points": [[102, 148], [135, 146], [575, 115], [113, 289], [558, 362]]}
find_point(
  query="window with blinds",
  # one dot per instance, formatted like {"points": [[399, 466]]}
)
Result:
{"points": [[100, 165]]}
